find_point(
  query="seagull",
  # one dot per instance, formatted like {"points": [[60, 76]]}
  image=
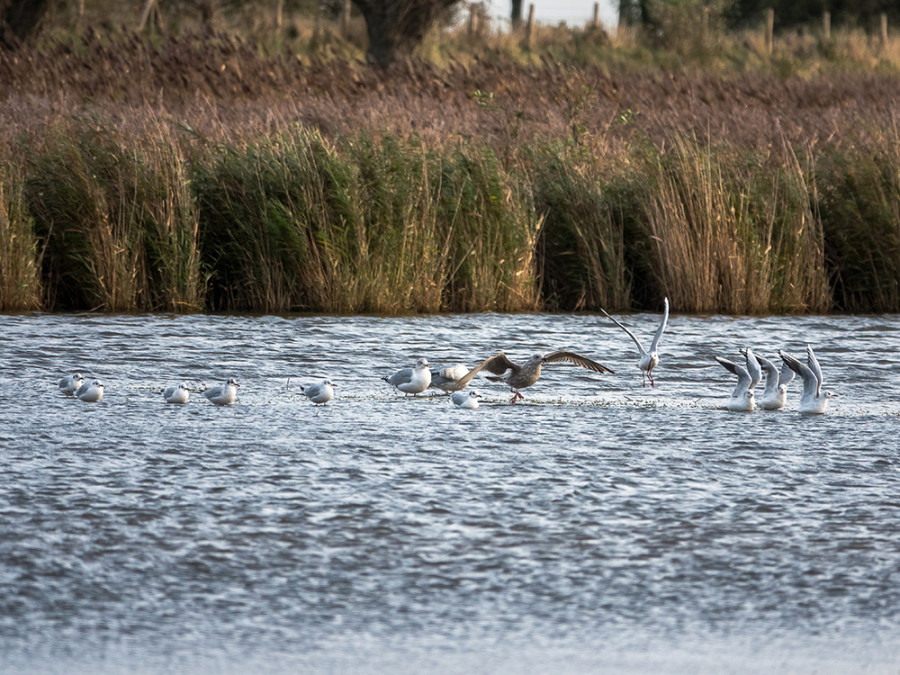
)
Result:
{"points": [[447, 379], [411, 380], [649, 359], [813, 400], [223, 394], [179, 394], [742, 399], [524, 375], [319, 393], [775, 393], [70, 384], [468, 401], [91, 393]]}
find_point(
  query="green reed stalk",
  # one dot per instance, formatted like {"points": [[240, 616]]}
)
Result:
{"points": [[582, 247], [20, 282]]}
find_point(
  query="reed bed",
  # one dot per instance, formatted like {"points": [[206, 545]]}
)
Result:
{"points": [[205, 172]]}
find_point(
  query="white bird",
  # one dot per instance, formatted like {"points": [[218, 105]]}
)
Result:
{"points": [[742, 398], [70, 384], [91, 393], [447, 379], [319, 393], [464, 400], [179, 394], [650, 358], [775, 393], [411, 380], [813, 400], [223, 394]]}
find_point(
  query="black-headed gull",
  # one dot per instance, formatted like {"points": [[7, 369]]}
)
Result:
{"points": [[447, 379], [775, 393], [468, 400], [519, 376], [223, 394], [813, 400], [70, 384], [411, 380], [180, 394], [321, 392], [91, 393], [749, 375], [650, 358]]}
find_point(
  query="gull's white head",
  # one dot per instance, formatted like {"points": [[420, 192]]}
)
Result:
{"points": [[421, 363]]}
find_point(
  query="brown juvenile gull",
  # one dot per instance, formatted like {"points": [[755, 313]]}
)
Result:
{"points": [[520, 376]]}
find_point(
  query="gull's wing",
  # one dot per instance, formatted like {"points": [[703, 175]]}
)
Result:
{"points": [[630, 334], [577, 359], [497, 364], [312, 390], [401, 376], [662, 327], [743, 376], [215, 391], [810, 383], [813, 364], [753, 368], [772, 379], [786, 376]]}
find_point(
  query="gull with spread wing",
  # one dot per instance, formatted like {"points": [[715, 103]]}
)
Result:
{"points": [[650, 358], [813, 400], [518, 376]]}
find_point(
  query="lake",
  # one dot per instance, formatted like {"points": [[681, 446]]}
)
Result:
{"points": [[595, 527]]}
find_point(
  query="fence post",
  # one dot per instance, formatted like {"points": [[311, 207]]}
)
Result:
{"points": [[596, 20], [345, 19], [826, 24], [529, 27], [770, 30], [884, 31], [279, 14]]}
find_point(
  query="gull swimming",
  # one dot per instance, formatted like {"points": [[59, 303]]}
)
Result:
{"points": [[447, 379], [469, 400], [223, 394], [813, 400], [70, 384], [775, 393], [319, 393], [742, 398], [91, 393], [180, 394], [649, 359], [411, 380], [518, 376]]}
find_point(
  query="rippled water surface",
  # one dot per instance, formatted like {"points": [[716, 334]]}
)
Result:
{"points": [[598, 527]]}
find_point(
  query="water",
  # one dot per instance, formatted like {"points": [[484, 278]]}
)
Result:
{"points": [[598, 527]]}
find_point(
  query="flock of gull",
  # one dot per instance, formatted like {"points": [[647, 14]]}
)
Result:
{"points": [[517, 376]]}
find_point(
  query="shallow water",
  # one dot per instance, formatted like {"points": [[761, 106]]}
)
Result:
{"points": [[598, 527]]}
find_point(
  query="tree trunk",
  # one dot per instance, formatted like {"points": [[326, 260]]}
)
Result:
{"points": [[396, 27], [19, 19], [516, 15]]}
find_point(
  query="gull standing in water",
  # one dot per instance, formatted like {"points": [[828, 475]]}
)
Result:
{"points": [[319, 393], [742, 399], [179, 395], [411, 380], [223, 394], [91, 393], [649, 359], [70, 384], [519, 376], [813, 400], [468, 401], [447, 379], [775, 393]]}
